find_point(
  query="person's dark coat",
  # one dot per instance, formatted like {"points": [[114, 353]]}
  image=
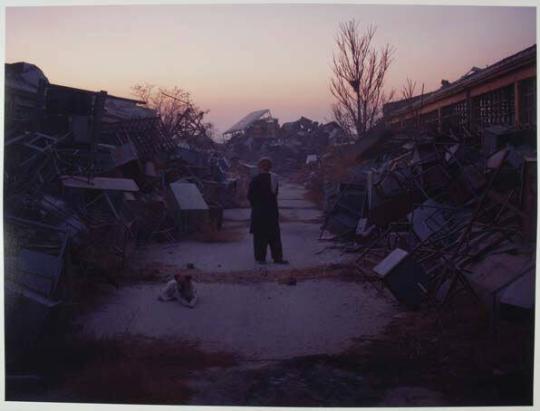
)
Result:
{"points": [[264, 206]]}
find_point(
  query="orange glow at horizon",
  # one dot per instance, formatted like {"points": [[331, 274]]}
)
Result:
{"points": [[238, 58]]}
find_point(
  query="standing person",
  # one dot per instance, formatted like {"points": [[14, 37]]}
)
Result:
{"points": [[262, 195]]}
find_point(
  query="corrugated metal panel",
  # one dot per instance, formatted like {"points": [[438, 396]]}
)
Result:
{"points": [[188, 196], [100, 183]]}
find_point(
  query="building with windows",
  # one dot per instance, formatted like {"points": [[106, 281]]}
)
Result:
{"points": [[503, 93]]}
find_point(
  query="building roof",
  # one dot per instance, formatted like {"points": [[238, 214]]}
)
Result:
{"points": [[389, 108], [248, 121], [109, 96], [474, 76]]}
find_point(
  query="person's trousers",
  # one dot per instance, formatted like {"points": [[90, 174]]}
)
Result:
{"points": [[261, 243]]}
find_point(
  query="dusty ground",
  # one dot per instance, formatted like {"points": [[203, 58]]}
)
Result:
{"points": [[300, 230], [310, 334], [259, 321], [250, 310]]}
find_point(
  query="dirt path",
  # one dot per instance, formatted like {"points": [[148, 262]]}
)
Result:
{"points": [[255, 338], [256, 320], [263, 322], [300, 229], [260, 321]]}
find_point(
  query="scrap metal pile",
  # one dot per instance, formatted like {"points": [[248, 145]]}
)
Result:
{"points": [[290, 146], [87, 175], [434, 214]]}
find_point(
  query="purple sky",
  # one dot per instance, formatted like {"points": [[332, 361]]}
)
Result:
{"points": [[238, 58]]}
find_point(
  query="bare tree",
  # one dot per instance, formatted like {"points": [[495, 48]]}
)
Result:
{"points": [[409, 89], [358, 78], [408, 92], [181, 119]]}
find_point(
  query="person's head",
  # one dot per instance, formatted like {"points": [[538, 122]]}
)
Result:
{"points": [[265, 165], [179, 278]]}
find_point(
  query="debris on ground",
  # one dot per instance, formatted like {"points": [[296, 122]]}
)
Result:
{"points": [[433, 208], [434, 214], [90, 177]]}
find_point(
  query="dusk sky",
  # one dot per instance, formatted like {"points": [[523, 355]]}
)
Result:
{"points": [[238, 58]]}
